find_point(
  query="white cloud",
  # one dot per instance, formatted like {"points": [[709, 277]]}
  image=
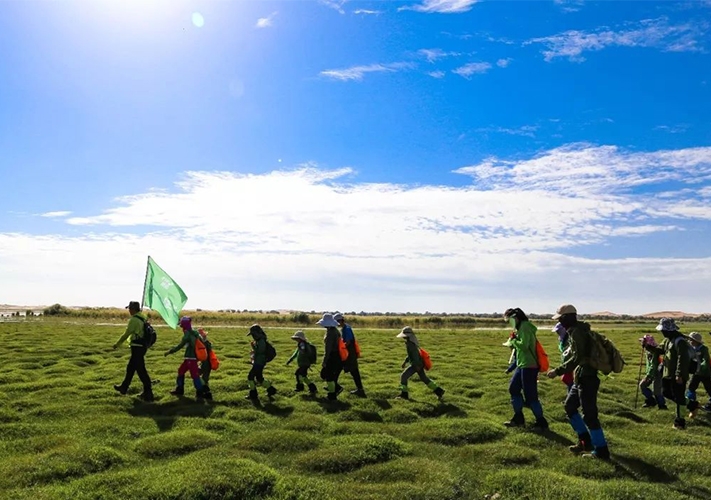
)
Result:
{"points": [[336, 5], [276, 240], [358, 72], [442, 6], [432, 55], [367, 12], [436, 74], [653, 33], [266, 22], [58, 213], [673, 129], [526, 130], [504, 63], [470, 69]]}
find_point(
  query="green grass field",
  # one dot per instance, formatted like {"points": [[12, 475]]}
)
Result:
{"points": [[65, 433]]}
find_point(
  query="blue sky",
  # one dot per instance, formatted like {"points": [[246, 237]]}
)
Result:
{"points": [[430, 155]]}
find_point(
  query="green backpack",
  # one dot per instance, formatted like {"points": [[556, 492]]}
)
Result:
{"points": [[604, 356]]}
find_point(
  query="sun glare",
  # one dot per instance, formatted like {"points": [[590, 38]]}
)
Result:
{"points": [[198, 20]]}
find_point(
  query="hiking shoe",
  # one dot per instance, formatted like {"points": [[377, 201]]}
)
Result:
{"points": [[663, 407], [679, 424], [147, 397], [650, 403], [120, 389], [252, 395], [706, 407], [271, 391], [693, 413], [299, 388], [403, 395], [178, 391], [339, 389], [439, 392], [313, 389], [602, 453], [207, 395], [581, 447], [516, 421], [541, 424], [332, 396], [358, 392]]}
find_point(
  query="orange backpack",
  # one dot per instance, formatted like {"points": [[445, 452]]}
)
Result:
{"points": [[214, 362], [542, 357], [342, 350], [426, 360], [357, 348], [200, 349]]}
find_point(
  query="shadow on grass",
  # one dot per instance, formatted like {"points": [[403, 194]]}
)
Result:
{"points": [[641, 470], [556, 438], [632, 416], [331, 406], [165, 413], [437, 410], [383, 404]]}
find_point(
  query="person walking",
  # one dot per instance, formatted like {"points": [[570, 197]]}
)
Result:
{"points": [[332, 364], [702, 375], [676, 366], [524, 382], [134, 334], [351, 364], [414, 364], [586, 384], [190, 362], [652, 376], [258, 356], [305, 356]]}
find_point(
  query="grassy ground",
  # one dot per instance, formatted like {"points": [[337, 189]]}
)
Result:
{"points": [[65, 433]]}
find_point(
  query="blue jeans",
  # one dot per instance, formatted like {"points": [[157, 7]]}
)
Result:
{"points": [[525, 380]]}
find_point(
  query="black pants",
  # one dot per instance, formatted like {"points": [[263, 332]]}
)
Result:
{"points": [[256, 373], [584, 394], [697, 380], [205, 370], [137, 364]]}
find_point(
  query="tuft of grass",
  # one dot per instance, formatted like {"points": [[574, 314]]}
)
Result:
{"points": [[179, 442], [347, 453], [279, 440], [460, 431]]}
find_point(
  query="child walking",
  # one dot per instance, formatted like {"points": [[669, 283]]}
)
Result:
{"points": [[190, 363], [259, 361], [416, 365], [305, 356], [652, 376], [206, 366], [702, 375]]}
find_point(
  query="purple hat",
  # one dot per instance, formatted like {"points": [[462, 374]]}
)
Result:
{"points": [[186, 323]]}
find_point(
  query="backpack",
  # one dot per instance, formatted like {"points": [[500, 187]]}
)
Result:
{"points": [[214, 362], [311, 353], [426, 360], [357, 348], [604, 356], [342, 350], [149, 334], [200, 349], [542, 358], [271, 352], [693, 355]]}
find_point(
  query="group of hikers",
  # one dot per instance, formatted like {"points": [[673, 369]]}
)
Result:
{"points": [[678, 361], [341, 353], [670, 366]]}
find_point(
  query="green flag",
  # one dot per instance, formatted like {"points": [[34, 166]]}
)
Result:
{"points": [[162, 294]]}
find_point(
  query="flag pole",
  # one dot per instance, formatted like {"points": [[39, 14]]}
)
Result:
{"points": [[145, 281]]}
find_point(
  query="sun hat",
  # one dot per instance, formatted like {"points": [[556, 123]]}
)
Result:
{"points": [[696, 337], [565, 309], [300, 335], [648, 340], [338, 316], [667, 325], [408, 334], [186, 323], [327, 320], [255, 329]]}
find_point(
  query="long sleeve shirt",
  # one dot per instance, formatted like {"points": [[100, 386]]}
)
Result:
{"points": [[134, 331]]}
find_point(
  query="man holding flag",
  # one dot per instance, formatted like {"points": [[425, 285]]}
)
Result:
{"points": [[137, 363]]}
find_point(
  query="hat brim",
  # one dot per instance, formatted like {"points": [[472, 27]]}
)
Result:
{"points": [[327, 324], [402, 335], [556, 316]]}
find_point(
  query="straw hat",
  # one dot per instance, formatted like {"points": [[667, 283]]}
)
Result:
{"points": [[696, 337]]}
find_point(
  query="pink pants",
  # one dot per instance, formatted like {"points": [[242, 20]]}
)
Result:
{"points": [[189, 365]]}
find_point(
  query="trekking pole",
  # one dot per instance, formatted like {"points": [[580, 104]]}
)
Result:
{"points": [[639, 376]]}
